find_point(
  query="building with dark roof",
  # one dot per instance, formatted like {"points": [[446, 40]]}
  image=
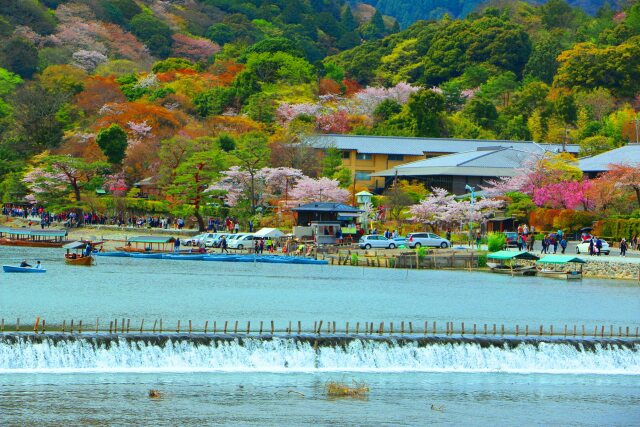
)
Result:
{"points": [[324, 212], [365, 156], [626, 155], [454, 171]]}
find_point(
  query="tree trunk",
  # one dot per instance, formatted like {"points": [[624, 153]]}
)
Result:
{"points": [[252, 188], [637, 190], [196, 213]]}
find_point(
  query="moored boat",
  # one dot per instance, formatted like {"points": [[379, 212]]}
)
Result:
{"points": [[506, 262], [13, 269], [36, 238], [560, 267]]}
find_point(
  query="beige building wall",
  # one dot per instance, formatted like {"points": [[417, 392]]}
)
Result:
{"points": [[362, 165]]}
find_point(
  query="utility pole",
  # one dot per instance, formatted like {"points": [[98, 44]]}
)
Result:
{"points": [[637, 123]]}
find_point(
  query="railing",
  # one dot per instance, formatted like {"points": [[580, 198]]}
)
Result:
{"points": [[355, 329]]}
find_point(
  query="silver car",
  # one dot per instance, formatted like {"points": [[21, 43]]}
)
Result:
{"points": [[376, 241], [416, 240]]}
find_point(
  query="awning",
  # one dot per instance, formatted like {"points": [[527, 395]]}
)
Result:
{"points": [[151, 239], [74, 245], [504, 255], [349, 214], [561, 259], [268, 232]]}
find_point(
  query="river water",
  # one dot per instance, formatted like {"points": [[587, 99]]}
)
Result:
{"points": [[283, 382]]}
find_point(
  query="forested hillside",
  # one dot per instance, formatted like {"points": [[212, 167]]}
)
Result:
{"points": [[409, 11], [102, 94]]}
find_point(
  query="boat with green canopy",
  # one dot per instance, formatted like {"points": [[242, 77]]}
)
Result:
{"points": [[560, 266], [507, 262], [146, 244]]}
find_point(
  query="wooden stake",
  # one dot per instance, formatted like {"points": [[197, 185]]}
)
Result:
{"points": [[248, 327], [299, 327], [402, 328], [485, 329], [474, 329], [390, 328], [110, 326], [155, 322], [71, 327], [225, 327], [517, 330], [434, 327], [206, 326], [574, 330], [602, 331], [128, 324], [80, 327], [541, 330], [610, 331], [551, 330], [381, 329], [627, 330], [494, 329], [235, 327], [317, 331], [97, 324], [411, 328], [260, 333], [215, 327], [43, 325], [272, 328], [190, 327], [2, 326], [161, 325], [35, 326], [346, 329], [565, 331], [178, 328], [122, 325], [18, 325], [357, 327], [462, 330]]}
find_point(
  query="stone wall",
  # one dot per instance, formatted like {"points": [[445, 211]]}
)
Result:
{"points": [[612, 270]]}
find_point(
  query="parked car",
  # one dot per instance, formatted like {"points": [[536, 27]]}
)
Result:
{"points": [[400, 241], [512, 239], [240, 241], [215, 241], [415, 240], [195, 240], [583, 248], [376, 241]]}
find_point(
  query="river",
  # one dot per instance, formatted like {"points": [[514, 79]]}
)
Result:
{"points": [[281, 382]]}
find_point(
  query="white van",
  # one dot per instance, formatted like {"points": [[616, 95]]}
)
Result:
{"points": [[240, 241]]}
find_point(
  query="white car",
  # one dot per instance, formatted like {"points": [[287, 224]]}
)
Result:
{"points": [[583, 248], [376, 241], [195, 240], [415, 240], [240, 241]]}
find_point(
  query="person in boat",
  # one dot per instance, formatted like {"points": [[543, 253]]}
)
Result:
{"points": [[87, 249], [25, 264], [38, 265]]}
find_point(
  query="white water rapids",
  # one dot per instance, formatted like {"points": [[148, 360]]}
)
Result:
{"points": [[285, 355]]}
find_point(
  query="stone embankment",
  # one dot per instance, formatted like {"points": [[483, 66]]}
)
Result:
{"points": [[613, 268]]}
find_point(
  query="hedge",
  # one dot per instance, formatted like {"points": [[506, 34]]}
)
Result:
{"points": [[617, 228]]}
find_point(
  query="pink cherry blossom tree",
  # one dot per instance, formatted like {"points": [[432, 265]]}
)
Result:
{"points": [[195, 49], [564, 195], [309, 190]]}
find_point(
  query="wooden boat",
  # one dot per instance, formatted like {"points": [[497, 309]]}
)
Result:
{"points": [[506, 262], [31, 243], [148, 244], [13, 269], [32, 237], [560, 267], [75, 253]]}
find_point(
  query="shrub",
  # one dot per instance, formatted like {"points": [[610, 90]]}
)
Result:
{"points": [[482, 260], [496, 241], [422, 252], [354, 259]]}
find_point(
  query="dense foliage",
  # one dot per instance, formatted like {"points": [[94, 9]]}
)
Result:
{"points": [[105, 94]]}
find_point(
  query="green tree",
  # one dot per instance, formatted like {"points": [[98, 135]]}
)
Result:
{"points": [[482, 111], [170, 64], [348, 20], [8, 81], [226, 142], [213, 101], [20, 56], [426, 107], [153, 32], [252, 154], [113, 143], [542, 64], [192, 178], [331, 161]]}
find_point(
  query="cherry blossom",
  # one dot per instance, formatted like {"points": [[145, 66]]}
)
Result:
{"points": [[309, 190]]}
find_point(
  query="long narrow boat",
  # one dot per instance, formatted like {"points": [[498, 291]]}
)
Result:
{"points": [[185, 257], [506, 262], [152, 255], [32, 237], [560, 267], [13, 269], [118, 254]]}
